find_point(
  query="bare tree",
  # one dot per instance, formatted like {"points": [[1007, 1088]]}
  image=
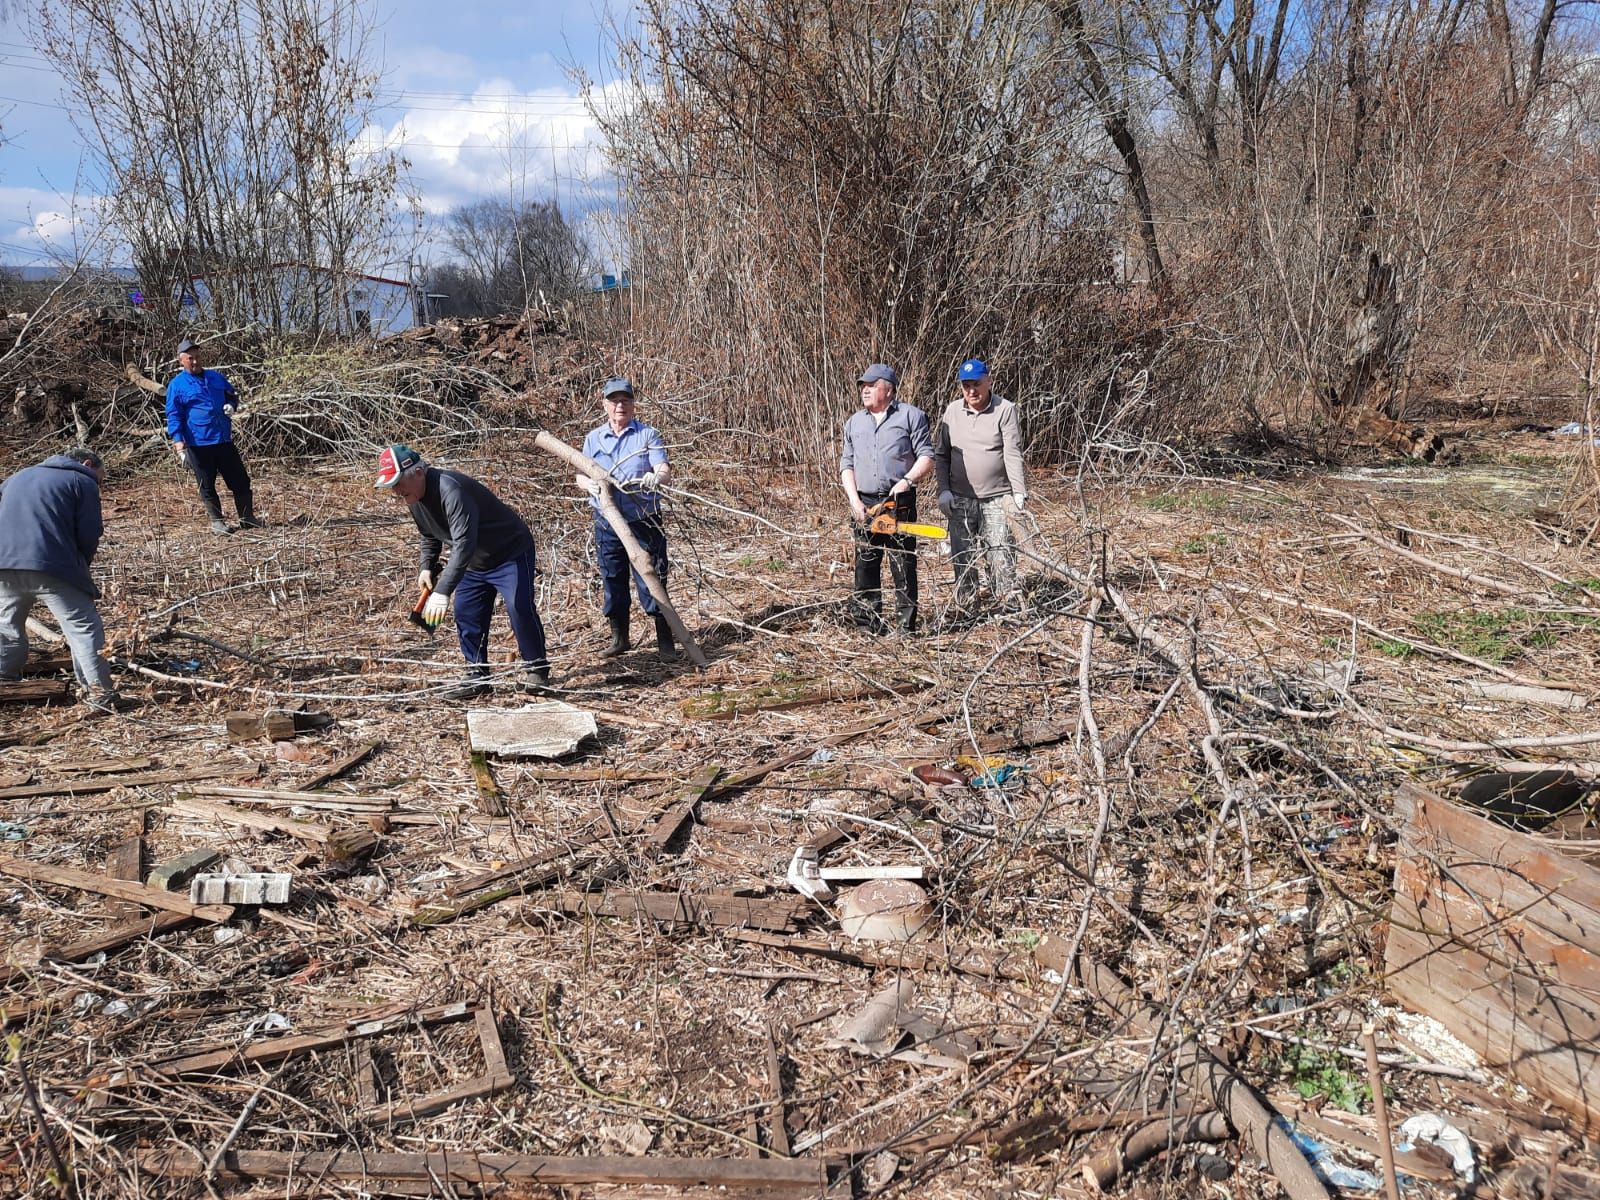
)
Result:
{"points": [[226, 133], [512, 257]]}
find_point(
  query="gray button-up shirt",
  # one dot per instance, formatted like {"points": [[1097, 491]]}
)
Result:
{"points": [[882, 453]]}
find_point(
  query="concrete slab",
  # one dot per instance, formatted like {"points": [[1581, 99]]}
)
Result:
{"points": [[542, 729]]}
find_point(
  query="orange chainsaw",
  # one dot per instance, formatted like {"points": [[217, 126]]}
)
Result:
{"points": [[884, 517]]}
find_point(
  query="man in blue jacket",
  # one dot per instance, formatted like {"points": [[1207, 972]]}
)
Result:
{"points": [[200, 407], [50, 527], [491, 550]]}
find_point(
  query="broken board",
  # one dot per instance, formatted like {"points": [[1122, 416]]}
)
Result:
{"points": [[1496, 934], [543, 729]]}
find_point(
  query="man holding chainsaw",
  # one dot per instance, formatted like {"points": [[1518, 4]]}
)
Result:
{"points": [[491, 550], [635, 458], [981, 480], [888, 450]]}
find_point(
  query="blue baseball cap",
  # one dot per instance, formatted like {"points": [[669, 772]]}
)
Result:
{"points": [[879, 371], [973, 370], [617, 383]]}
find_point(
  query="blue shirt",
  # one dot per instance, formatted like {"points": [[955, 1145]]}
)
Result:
{"points": [[625, 456], [882, 453], [194, 408]]}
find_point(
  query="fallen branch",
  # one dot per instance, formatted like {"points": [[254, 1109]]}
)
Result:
{"points": [[1106, 1167]]}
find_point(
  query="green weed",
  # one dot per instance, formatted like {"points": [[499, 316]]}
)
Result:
{"points": [[1317, 1073], [1203, 501], [1500, 637], [1204, 543]]}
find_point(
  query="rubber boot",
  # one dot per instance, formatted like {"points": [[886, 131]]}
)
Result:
{"points": [[248, 518], [619, 637], [666, 647], [474, 683]]}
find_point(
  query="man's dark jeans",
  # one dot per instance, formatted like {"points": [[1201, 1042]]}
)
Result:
{"points": [[207, 462], [615, 568], [901, 550]]}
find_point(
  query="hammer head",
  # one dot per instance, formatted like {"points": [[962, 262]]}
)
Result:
{"points": [[803, 876]]}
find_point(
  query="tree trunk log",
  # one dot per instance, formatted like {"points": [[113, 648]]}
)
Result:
{"points": [[636, 554]]}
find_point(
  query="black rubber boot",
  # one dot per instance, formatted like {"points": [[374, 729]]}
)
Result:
{"points": [[619, 637], [666, 647], [474, 683], [535, 677]]}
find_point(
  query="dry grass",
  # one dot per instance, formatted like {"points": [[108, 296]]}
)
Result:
{"points": [[667, 1026]]}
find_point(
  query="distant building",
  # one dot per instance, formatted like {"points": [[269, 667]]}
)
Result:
{"points": [[295, 296]]}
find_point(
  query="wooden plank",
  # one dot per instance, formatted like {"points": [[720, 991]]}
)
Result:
{"points": [[88, 787], [1452, 915], [35, 691], [276, 724], [229, 814], [729, 784], [797, 1176], [680, 908], [594, 775], [1529, 868], [126, 862], [283, 798], [777, 1115], [106, 765], [1547, 1042], [89, 881], [403, 1112], [724, 706], [267, 1051], [489, 798], [494, 1052], [667, 826], [966, 960], [524, 879], [339, 768], [104, 943]]}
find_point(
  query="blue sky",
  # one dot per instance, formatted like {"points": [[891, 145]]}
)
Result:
{"points": [[475, 94]]}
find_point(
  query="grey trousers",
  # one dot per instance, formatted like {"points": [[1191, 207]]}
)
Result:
{"points": [[978, 529], [73, 609]]}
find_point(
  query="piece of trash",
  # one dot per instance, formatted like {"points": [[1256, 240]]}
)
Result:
{"points": [[1328, 1168], [1432, 1129], [997, 776], [1571, 429], [939, 776], [634, 1138], [117, 1008], [12, 832], [223, 934], [294, 752], [1213, 1167], [187, 665], [878, 1170], [84, 1001], [875, 1030], [270, 1022], [820, 755], [885, 910]]}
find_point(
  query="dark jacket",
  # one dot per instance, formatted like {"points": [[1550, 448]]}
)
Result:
{"points": [[194, 408], [483, 533], [50, 521]]}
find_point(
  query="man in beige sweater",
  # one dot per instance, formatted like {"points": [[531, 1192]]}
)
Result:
{"points": [[978, 457]]}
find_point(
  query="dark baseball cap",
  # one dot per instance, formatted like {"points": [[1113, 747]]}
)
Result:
{"points": [[617, 383], [879, 371], [184, 347], [394, 462]]}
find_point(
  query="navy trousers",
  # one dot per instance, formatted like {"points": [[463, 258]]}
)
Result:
{"points": [[474, 601], [207, 462], [615, 567]]}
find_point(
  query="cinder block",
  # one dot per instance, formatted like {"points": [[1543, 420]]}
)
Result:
{"points": [[259, 887]]}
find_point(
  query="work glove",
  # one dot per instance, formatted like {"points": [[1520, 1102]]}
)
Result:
{"points": [[228, 408], [650, 481], [1014, 503], [182, 452], [433, 612], [591, 485], [425, 580], [947, 502]]}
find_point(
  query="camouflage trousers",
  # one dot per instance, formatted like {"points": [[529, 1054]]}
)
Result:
{"points": [[978, 530]]}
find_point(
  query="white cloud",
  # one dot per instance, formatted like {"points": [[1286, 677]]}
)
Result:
{"points": [[41, 228], [502, 143]]}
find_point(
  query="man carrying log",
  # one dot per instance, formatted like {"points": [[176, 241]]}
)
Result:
{"points": [[491, 550], [50, 527], [200, 408], [978, 456], [887, 452], [635, 458]]}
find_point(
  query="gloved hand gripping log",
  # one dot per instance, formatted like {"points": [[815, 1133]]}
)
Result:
{"points": [[637, 557]]}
